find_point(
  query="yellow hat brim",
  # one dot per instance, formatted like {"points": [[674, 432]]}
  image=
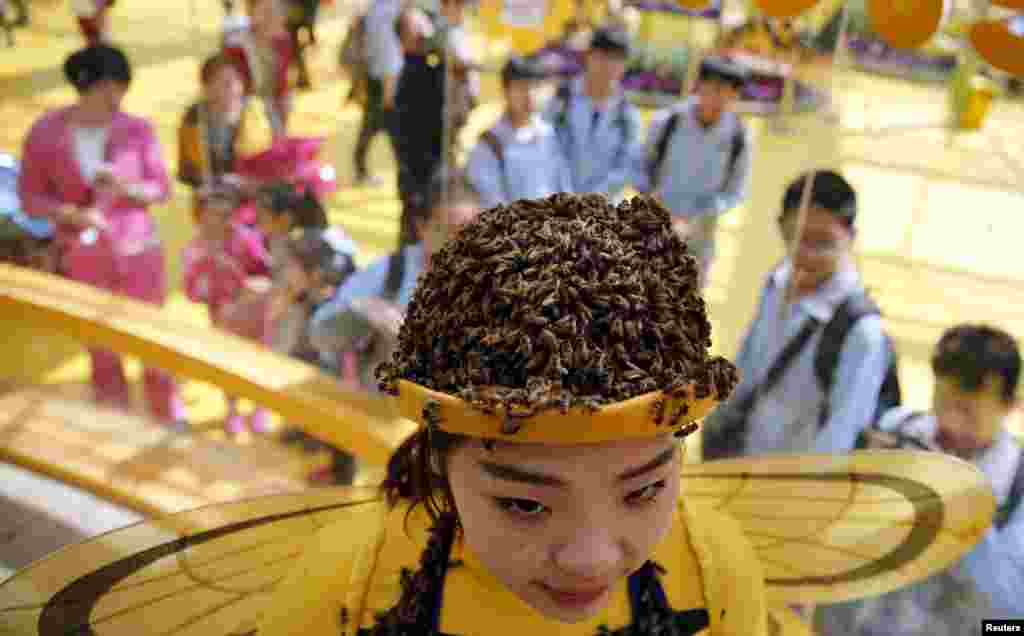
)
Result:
{"points": [[629, 419]]}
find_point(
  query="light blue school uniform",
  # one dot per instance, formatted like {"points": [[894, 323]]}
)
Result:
{"points": [[601, 144], [533, 165], [787, 418]]}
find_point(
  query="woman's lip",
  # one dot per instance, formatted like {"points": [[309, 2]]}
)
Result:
{"points": [[574, 598]]}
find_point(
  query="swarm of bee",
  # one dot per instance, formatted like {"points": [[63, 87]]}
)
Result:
{"points": [[561, 302]]}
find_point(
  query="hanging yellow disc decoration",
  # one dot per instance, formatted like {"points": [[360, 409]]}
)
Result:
{"points": [[783, 9], [525, 25], [905, 24], [1000, 43]]}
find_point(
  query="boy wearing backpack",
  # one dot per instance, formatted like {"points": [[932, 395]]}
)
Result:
{"points": [[816, 363], [977, 371], [520, 157], [697, 159], [599, 128]]}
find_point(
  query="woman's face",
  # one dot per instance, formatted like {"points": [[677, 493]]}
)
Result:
{"points": [[106, 96], [561, 525]]}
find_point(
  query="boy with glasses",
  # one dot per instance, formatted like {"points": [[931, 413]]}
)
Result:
{"points": [[816, 363]]}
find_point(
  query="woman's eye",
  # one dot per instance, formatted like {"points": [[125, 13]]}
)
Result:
{"points": [[521, 507], [647, 493]]}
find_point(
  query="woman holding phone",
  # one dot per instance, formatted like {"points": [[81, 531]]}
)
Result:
{"points": [[94, 170]]}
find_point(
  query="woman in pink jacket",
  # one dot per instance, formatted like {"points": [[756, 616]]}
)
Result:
{"points": [[94, 171]]}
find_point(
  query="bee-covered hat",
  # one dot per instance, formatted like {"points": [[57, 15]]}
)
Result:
{"points": [[564, 320]]}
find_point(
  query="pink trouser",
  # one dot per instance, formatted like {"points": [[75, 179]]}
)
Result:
{"points": [[141, 276]]}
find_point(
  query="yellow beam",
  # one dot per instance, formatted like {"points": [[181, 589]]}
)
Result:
{"points": [[366, 425]]}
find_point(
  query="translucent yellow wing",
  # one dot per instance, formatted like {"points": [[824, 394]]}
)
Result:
{"points": [[833, 528], [206, 572]]}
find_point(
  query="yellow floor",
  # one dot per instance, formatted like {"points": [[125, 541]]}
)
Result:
{"points": [[939, 227]]}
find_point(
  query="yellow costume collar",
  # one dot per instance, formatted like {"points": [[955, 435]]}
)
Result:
{"points": [[646, 415]]}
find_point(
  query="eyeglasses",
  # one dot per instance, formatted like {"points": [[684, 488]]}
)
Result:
{"points": [[809, 245]]}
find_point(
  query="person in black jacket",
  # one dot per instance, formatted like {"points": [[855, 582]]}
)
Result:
{"points": [[419, 117]]}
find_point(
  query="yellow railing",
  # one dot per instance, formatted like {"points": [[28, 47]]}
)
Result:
{"points": [[366, 425]]}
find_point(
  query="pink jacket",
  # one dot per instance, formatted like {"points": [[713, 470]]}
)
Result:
{"points": [[50, 176], [217, 283]]}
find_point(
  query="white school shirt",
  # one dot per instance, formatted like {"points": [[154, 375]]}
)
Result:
{"points": [[534, 166], [786, 418]]}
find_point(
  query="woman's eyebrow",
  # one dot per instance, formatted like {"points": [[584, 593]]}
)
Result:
{"points": [[511, 473]]}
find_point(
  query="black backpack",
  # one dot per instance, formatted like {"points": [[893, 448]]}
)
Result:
{"points": [[736, 148], [826, 359]]}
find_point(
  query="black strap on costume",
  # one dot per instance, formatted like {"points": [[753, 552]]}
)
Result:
{"points": [[650, 609]]}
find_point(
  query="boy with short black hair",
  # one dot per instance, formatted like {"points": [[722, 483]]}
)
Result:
{"points": [[816, 361], [697, 159], [599, 129], [520, 157], [977, 372]]}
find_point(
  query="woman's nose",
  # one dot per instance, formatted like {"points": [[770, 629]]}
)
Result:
{"points": [[591, 554]]}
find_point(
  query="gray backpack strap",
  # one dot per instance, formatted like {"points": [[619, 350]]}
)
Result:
{"points": [[661, 149], [492, 141]]}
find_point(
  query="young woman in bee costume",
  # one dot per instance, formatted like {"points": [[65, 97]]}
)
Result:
{"points": [[553, 380], [553, 354]]}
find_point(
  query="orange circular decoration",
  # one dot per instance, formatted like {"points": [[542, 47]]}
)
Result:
{"points": [[784, 8], [998, 45], [694, 5], [905, 24], [1016, 5]]}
